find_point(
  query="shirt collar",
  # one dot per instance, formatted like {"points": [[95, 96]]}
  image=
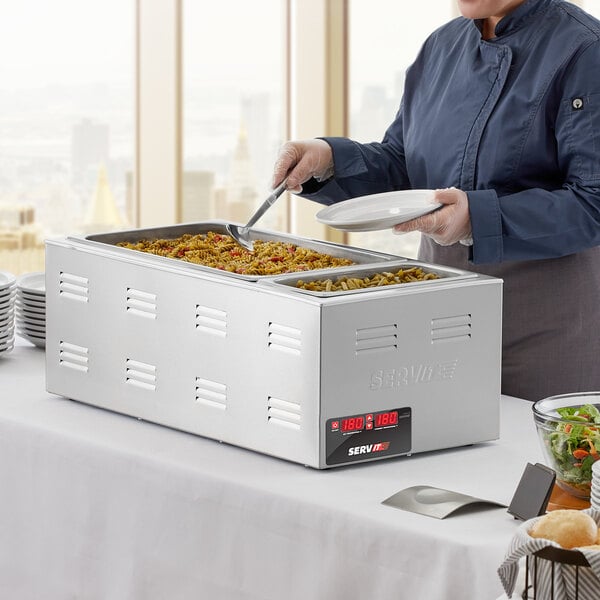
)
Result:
{"points": [[518, 17]]}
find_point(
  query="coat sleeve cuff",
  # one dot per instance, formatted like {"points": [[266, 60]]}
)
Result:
{"points": [[486, 226], [324, 192], [347, 162]]}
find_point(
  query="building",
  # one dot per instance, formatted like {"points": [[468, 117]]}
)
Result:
{"points": [[21, 239], [197, 196], [89, 149], [102, 212], [241, 196]]}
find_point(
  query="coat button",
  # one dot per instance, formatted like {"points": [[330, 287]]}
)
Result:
{"points": [[577, 103]]}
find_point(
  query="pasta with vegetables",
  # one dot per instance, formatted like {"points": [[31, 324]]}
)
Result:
{"points": [[221, 251]]}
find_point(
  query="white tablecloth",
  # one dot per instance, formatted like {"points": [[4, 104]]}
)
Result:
{"points": [[96, 505]]}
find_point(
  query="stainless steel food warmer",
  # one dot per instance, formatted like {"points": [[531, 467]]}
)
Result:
{"points": [[320, 378]]}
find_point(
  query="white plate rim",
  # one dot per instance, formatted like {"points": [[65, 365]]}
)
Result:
{"points": [[31, 329], [30, 302], [33, 295], [28, 282], [26, 315], [329, 215], [30, 335], [38, 310], [7, 279]]}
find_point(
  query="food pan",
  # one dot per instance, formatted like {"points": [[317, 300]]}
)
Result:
{"points": [[357, 255], [361, 271]]}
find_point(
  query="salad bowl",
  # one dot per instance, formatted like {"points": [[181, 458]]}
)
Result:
{"points": [[568, 428]]}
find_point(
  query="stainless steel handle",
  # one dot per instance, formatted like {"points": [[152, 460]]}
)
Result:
{"points": [[262, 209]]}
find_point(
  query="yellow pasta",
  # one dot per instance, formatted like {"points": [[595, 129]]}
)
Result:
{"points": [[221, 251], [376, 280]]}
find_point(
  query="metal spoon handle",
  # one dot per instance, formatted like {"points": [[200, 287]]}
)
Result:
{"points": [[262, 209]]}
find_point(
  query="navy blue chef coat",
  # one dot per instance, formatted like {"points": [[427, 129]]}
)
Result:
{"points": [[514, 121]]}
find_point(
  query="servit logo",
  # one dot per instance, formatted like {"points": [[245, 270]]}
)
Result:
{"points": [[368, 448], [419, 373]]}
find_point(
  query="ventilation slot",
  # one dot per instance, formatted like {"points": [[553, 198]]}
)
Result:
{"points": [[284, 413], [376, 339], [73, 356], [73, 287], [211, 320], [210, 393], [140, 374], [285, 339], [451, 329], [142, 304]]}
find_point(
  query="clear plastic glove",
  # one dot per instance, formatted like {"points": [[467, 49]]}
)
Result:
{"points": [[302, 160], [449, 224]]}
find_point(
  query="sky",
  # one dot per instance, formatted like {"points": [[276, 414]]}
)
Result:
{"points": [[78, 41], [65, 41]]}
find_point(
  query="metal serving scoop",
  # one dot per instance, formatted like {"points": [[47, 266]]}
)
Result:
{"points": [[240, 234]]}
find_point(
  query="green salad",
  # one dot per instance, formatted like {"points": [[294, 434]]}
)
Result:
{"points": [[574, 446]]}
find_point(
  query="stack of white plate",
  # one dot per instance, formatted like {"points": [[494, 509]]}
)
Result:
{"points": [[8, 290], [595, 497], [31, 308]]}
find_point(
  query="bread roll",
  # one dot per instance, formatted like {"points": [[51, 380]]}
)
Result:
{"points": [[568, 528]]}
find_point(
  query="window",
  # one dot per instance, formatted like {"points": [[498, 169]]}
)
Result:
{"points": [[385, 37], [233, 108], [66, 123], [591, 6]]}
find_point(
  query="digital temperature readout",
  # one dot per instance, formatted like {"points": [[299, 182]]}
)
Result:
{"points": [[387, 418], [368, 421], [353, 424]]}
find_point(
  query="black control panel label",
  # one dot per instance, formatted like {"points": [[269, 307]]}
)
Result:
{"points": [[368, 436]]}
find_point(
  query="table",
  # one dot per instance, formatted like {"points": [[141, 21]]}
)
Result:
{"points": [[97, 505]]}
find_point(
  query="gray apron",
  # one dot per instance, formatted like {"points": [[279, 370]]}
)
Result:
{"points": [[551, 319]]}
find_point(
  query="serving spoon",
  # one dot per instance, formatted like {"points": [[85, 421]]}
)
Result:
{"points": [[240, 234]]}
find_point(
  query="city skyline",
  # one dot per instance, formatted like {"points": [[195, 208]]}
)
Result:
{"points": [[48, 99]]}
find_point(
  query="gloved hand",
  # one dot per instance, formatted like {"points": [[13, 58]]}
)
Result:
{"points": [[449, 224], [302, 160]]}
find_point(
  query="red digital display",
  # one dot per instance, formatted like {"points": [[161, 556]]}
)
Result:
{"points": [[387, 418], [369, 421], [353, 424]]}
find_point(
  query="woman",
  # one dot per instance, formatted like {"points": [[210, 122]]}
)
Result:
{"points": [[500, 114]]}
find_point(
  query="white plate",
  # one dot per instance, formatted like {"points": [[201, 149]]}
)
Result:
{"points": [[7, 334], [29, 302], [27, 315], [37, 296], [36, 341], [7, 293], [6, 280], [38, 308], [32, 282], [7, 313], [6, 306], [378, 211], [30, 330], [32, 337], [7, 321]]}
